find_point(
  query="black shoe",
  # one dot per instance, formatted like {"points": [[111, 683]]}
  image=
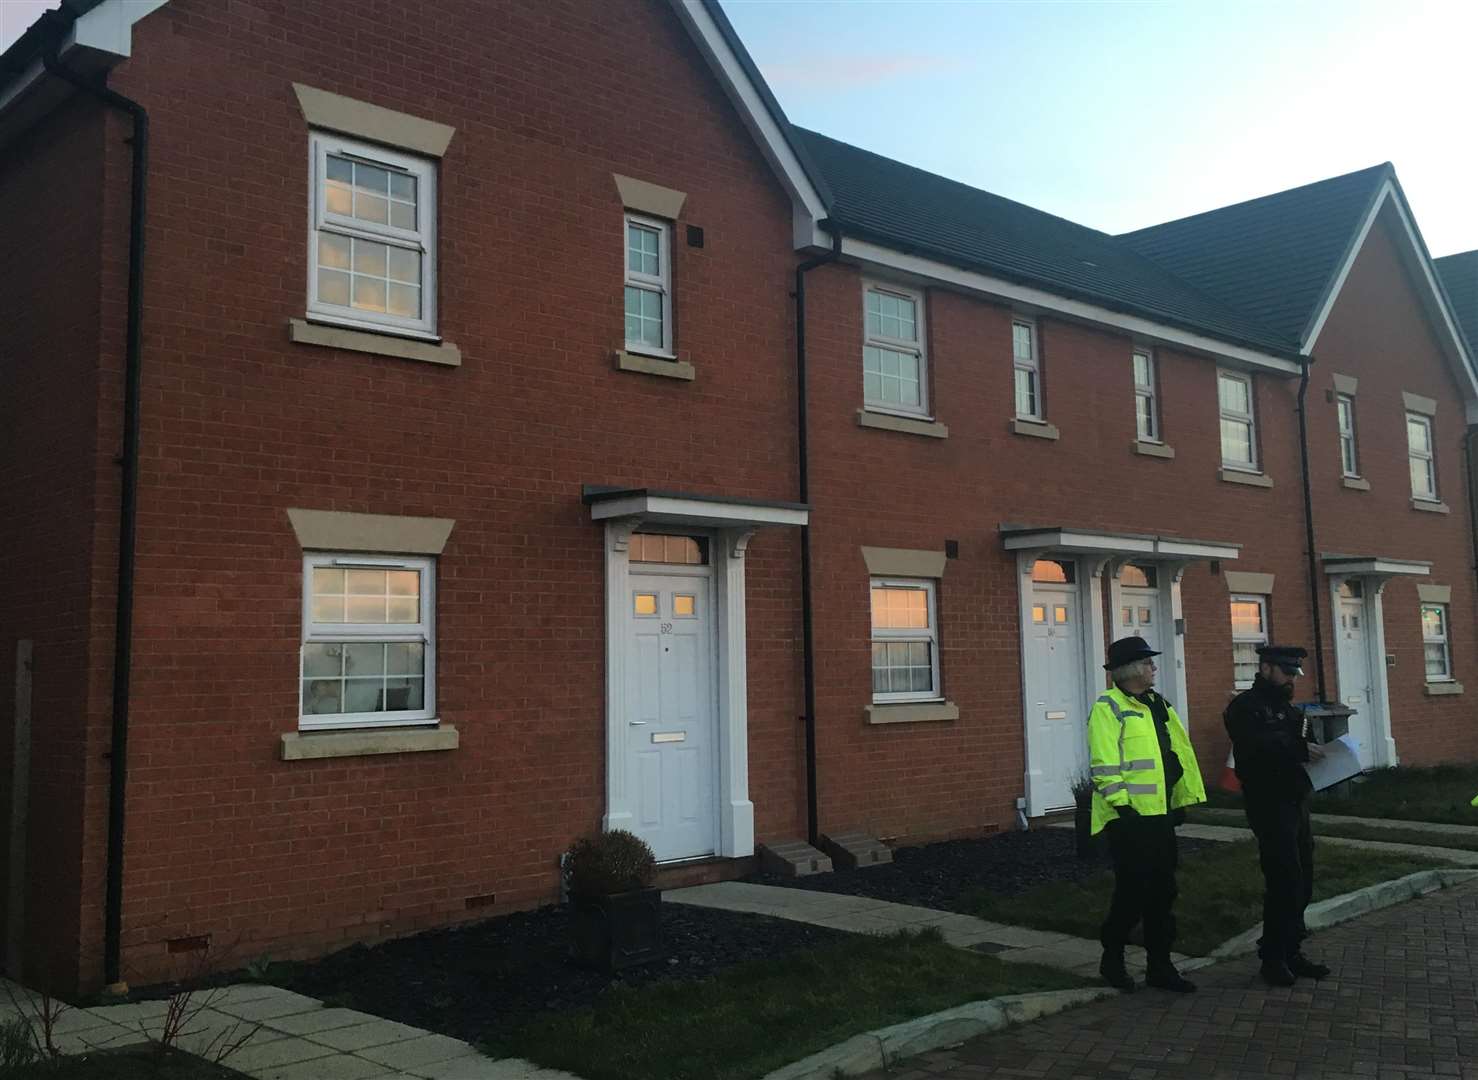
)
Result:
{"points": [[1276, 973], [1165, 977], [1113, 972], [1305, 968]]}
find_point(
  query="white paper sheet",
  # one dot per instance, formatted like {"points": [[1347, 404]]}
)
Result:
{"points": [[1341, 761]]}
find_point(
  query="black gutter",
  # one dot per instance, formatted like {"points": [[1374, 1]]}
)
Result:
{"points": [[808, 634], [1303, 449], [128, 512], [1468, 437]]}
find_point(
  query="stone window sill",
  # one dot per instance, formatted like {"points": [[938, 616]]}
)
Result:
{"points": [[1251, 479], [1151, 449], [1037, 429], [312, 745], [930, 429], [911, 712], [1355, 483], [654, 365], [365, 341], [1430, 507], [1442, 689]]}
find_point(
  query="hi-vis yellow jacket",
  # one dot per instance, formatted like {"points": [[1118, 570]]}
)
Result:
{"points": [[1125, 760]]}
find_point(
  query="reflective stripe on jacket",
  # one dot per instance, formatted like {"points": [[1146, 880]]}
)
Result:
{"points": [[1124, 759]]}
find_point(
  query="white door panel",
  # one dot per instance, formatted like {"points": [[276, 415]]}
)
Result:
{"points": [[1356, 687], [1055, 719]]}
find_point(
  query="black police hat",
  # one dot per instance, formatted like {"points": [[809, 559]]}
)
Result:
{"points": [[1286, 657], [1126, 651]]}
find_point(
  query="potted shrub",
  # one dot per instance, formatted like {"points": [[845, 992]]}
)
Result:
{"points": [[1083, 815], [616, 912]]}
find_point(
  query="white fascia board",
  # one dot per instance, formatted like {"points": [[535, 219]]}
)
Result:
{"points": [[751, 105], [1385, 567], [1192, 549], [932, 271], [107, 29], [698, 512], [1386, 194], [1070, 540]]}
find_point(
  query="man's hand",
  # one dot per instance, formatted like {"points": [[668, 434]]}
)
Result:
{"points": [[1127, 811], [1316, 752]]}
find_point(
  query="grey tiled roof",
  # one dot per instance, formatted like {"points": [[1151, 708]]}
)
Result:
{"points": [[1459, 276], [876, 198], [1274, 258]]}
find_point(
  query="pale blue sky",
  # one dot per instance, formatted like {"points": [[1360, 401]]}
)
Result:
{"points": [[1118, 115], [1122, 114]]}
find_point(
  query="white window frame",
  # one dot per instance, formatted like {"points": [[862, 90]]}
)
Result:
{"points": [[1248, 639], [1444, 639], [1249, 418], [1147, 393], [930, 634], [1349, 447], [423, 631], [918, 347], [422, 239], [660, 283], [1032, 366], [1428, 456]]}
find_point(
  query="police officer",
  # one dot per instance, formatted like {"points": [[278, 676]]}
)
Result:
{"points": [[1270, 742], [1144, 773]]}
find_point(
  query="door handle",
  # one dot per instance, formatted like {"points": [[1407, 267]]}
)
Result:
{"points": [[637, 723]]}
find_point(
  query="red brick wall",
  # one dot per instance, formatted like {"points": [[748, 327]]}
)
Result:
{"points": [[239, 424], [50, 274]]}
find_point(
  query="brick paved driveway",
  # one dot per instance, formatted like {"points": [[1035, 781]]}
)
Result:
{"points": [[1402, 1005]]}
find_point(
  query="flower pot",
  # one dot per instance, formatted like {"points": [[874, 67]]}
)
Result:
{"points": [[618, 930]]}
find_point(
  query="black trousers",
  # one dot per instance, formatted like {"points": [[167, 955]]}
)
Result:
{"points": [[1285, 846], [1145, 858]]}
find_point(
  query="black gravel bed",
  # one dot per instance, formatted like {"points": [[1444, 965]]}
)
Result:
{"points": [[477, 982], [947, 875]]}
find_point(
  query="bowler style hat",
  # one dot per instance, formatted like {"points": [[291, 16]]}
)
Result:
{"points": [[1127, 650], [1286, 657]]}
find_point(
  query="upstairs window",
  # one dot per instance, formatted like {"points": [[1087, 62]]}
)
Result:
{"points": [[905, 640], [1146, 414], [372, 245], [1435, 644], [1028, 370], [368, 655], [1348, 457], [1420, 453], [648, 285], [1238, 430], [893, 363]]}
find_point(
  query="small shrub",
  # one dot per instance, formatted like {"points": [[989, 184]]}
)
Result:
{"points": [[612, 862], [1082, 789], [17, 1045]]}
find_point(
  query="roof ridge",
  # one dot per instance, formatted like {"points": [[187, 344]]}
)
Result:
{"points": [[1385, 167]]}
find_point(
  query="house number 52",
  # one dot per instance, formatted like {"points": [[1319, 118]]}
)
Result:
{"points": [[667, 628]]}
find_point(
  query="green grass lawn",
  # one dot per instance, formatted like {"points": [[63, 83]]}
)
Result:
{"points": [[1442, 793], [759, 1016], [1220, 893]]}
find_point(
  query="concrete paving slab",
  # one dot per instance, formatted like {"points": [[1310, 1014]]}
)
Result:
{"points": [[422, 1051], [362, 1036], [337, 1067], [107, 1037], [279, 1003], [256, 1060], [317, 1020]]}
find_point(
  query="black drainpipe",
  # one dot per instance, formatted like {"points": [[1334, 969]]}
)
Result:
{"points": [[1472, 490], [808, 640], [1303, 448], [128, 511]]}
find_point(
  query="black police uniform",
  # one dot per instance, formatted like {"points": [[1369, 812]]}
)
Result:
{"points": [[1270, 746]]}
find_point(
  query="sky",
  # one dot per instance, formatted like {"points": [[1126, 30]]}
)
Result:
{"points": [[1123, 114]]}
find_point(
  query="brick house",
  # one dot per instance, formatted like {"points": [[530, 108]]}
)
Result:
{"points": [[469, 513]]}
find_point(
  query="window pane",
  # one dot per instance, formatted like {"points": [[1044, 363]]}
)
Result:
{"points": [[1021, 343], [891, 377], [899, 608], [333, 287], [371, 208], [1233, 394], [365, 609], [1144, 416], [1059, 615], [1421, 478], [405, 693], [1418, 436], [328, 609], [1247, 619], [369, 293], [1051, 571], [1432, 622], [402, 215], [333, 251], [341, 169], [1138, 577], [405, 659], [1126, 616], [362, 695], [1026, 393], [403, 186], [405, 265], [646, 603], [1244, 662], [1141, 370], [338, 198], [404, 300], [1039, 614], [371, 178], [323, 660], [682, 605], [1236, 442], [403, 610], [369, 258], [322, 696], [1436, 656]]}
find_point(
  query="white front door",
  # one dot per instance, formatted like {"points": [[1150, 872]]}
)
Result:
{"points": [[671, 715], [1139, 604], [1356, 686], [1056, 723]]}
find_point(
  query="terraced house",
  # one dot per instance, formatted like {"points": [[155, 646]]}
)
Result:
{"points": [[426, 443]]}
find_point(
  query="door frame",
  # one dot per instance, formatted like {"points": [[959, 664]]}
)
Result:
{"points": [[1373, 586], [727, 548], [1089, 593]]}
